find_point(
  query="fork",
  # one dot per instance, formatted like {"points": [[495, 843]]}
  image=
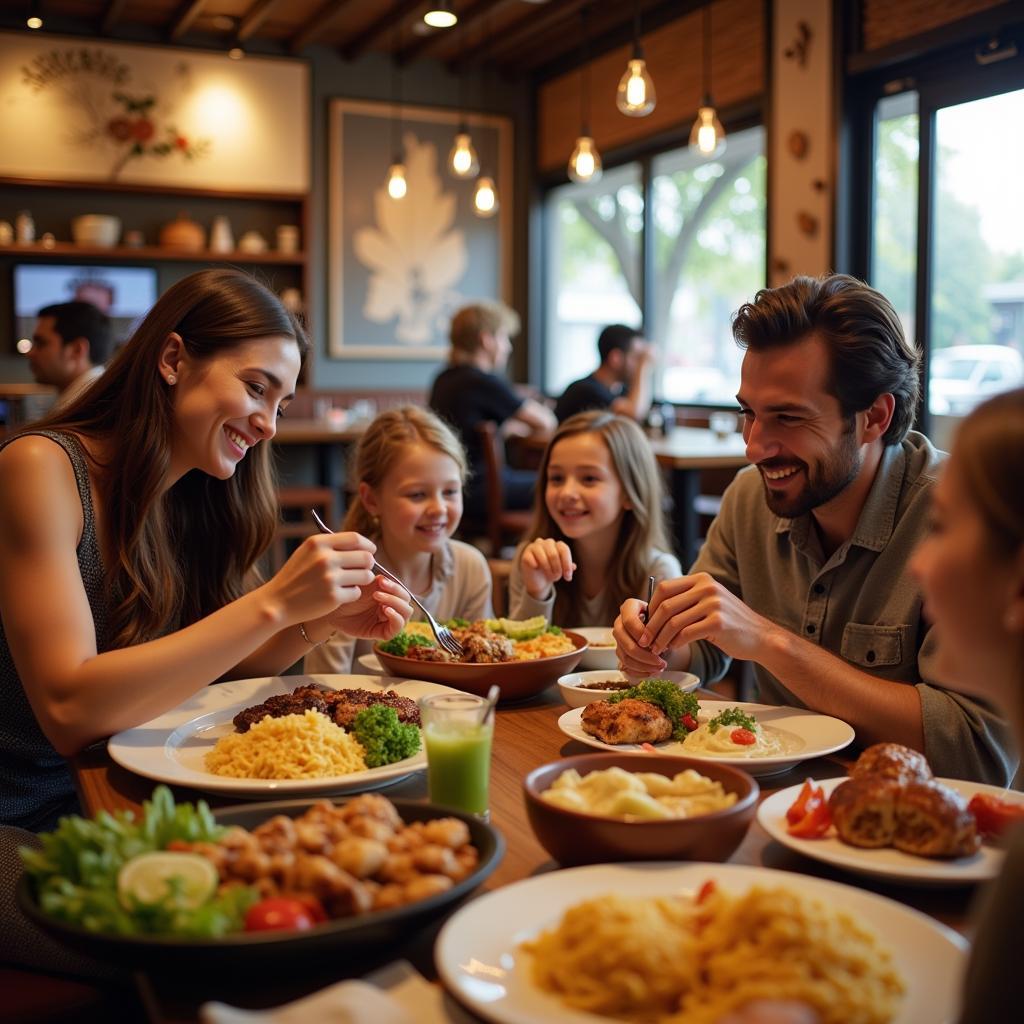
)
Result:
{"points": [[442, 634]]}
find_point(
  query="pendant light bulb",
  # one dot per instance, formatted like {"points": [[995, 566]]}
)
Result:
{"points": [[397, 185], [440, 15], [707, 136], [34, 19], [585, 162], [635, 96], [462, 160], [485, 198]]}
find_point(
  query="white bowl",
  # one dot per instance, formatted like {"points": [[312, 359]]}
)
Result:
{"points": [[601, 650], [96, 229], [576, 695]]}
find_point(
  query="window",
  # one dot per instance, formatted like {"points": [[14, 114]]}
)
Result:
{"points": [[706, 257], [593, 269]]}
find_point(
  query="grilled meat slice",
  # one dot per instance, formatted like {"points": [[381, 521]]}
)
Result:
{"points": [[346, 704], [487, 648], [628, 721], [341, 706], [421, 653], [305, 698]]}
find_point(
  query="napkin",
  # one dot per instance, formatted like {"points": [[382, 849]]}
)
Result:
{"points": [[396, 994]]}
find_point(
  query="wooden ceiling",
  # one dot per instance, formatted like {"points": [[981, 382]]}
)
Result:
{"points": [[517, 37]]}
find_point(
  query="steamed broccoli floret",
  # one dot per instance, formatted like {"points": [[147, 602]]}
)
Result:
{"points": [[384, 738], [399, 645]]}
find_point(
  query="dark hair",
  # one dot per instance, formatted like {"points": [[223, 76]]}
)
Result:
{"points": [[989, 455], [615, 336], [78, 319], [180, 554], [643, 524], [869, 354]]}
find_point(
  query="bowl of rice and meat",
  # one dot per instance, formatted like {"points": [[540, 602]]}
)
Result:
{"points": [[521, 657]]}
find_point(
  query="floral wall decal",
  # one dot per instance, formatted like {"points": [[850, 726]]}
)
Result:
{"points": [[415, 255]]}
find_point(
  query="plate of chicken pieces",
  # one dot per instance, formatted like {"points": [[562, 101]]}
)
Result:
{"points": [[176, 747], [759, 738], [892, 819]]}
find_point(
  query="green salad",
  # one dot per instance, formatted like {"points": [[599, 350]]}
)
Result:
{"points": [[76, 873], [514, 629]]}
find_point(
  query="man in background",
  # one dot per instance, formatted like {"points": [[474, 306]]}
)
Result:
{"points": [[70, 344], [621, 383], [472, 390]]}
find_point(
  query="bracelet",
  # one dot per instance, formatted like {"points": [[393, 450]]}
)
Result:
{"points": [[314, 643]]}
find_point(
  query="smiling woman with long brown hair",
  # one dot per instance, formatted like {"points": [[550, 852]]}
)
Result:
{"points": [[130, 524]]}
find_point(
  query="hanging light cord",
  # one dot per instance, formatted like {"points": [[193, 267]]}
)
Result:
{"points": [[585, 73], [396, 96], [637, 49], [707, 55]]}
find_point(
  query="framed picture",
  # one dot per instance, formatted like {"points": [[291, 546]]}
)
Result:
{"points": [[399, 268]]}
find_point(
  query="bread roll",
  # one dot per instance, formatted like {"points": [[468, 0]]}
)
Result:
{"points": [[864, 811], [892, 761], [932, 820]]}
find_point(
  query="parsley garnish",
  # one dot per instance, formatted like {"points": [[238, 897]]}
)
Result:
{"points": [[732, 716], [663, 692]]}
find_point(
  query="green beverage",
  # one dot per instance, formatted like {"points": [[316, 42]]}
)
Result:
{"points": [[458, 748]]}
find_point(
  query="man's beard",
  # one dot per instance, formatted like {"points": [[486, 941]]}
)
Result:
{"points": [[829, 479]]}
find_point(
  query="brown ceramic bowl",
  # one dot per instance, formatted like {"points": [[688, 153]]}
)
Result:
{"points": [[519, 680], [573, 838]]}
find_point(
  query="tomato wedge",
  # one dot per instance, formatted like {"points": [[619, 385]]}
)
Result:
{"points": [[816, 821], [994, 816], [799, 806]]}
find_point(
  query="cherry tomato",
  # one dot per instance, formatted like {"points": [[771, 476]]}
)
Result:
{"points": [[994, 816], [280, 912], [744, 737], [690, 722], [799, 806]]}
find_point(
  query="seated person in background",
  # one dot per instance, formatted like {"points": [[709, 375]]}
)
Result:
{"points": [[70, 344], [621, 383], [471, 390], [131, 522], [804, 571], [409, 470], [598, 532]]}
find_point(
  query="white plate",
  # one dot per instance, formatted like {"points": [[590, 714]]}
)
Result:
{"points": [[888, 862], [597, 657], [171, 748], [478, 957], [806, 734], [371, 663]]}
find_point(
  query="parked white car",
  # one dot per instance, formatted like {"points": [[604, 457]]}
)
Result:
{"points": [[962, 376]]}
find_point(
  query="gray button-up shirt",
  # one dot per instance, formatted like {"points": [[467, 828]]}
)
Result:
{"points": [[860, 603]]}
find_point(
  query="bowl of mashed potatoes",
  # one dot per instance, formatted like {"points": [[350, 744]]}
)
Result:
{"points": [[595, 808]]}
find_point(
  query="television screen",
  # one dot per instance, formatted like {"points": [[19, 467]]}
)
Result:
{"points": [[124, 293]]}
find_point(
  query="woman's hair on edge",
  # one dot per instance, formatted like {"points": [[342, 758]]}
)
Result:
{"points": [[383, 444], [178, 555], [643, 524], [989, 455]]}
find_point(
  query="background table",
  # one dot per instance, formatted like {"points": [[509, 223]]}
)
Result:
{"points": [[525, 737]]}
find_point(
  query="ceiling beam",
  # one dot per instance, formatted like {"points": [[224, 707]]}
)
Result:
{"points": [[111, 14], [562, 14], [390, 21], [467, 19], [258, 14], [317, 25], [183, 19]]}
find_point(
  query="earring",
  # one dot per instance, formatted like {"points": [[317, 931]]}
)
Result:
{"points": [[1012, 620], [172, 379]]}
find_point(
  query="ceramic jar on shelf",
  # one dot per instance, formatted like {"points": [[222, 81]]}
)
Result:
{"points": [[183, 233]]}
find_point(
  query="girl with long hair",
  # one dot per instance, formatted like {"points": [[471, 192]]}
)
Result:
{"points": [[410, 468], [130, 524], [598, 531]]}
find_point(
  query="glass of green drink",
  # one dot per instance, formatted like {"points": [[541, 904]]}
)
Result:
{"points": [[458, 743]]}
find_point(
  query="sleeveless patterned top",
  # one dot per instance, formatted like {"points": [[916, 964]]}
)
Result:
{"points": [[35, 782]]}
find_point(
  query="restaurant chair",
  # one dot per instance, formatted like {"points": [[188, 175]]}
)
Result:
{"points": [[501, 569], [296, 523], [502, 524]]}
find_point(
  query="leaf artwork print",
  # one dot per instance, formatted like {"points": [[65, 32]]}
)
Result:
{"points": [[414, 254]]}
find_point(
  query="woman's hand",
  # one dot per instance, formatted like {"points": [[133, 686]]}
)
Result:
{"points": [[543, 563], [326, 571], [380, 611]]}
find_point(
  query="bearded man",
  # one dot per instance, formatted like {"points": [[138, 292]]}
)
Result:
{"points": [[804, 571]]}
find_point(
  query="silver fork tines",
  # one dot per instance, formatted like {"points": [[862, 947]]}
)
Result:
{"points": [[442, 634]]}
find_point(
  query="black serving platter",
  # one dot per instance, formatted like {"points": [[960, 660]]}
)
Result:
{"points": [[352, 935]]}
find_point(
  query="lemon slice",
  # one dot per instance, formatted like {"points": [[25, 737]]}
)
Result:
{"points": [[523, 629], [147, 878]]}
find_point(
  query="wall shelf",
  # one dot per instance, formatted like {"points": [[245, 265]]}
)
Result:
{"points": [[147, 253]]}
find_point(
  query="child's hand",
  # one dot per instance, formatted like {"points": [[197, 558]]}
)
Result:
{"points": [[544, 562]]}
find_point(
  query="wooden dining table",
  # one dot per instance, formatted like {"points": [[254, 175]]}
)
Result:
{"points": [[525, 737]]}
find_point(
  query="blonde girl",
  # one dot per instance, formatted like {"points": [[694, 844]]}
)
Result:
{"points": [[410, 469], [598, 531]]}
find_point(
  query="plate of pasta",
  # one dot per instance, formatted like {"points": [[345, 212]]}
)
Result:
{"points": [[772, 738], [622, 941], [284, 736], [887, 862]]}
